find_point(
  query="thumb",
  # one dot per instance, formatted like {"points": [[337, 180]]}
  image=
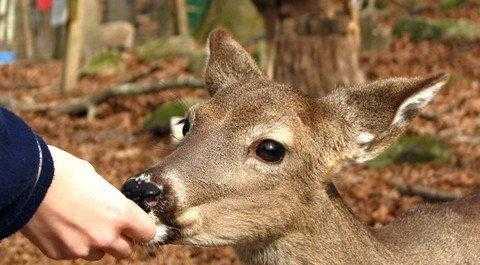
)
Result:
{"points": [[140, 226]]}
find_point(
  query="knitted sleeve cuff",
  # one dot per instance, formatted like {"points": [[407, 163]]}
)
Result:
{"points": [[27, 167]]}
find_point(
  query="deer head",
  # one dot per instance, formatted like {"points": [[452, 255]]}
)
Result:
{"points": [[257, 158]]}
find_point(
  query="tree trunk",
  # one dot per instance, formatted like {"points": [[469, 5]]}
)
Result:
{"points": [[181, 16], [75, 41], [26, 36], [4, 12], [44, 36], [315, 43], [91, 27], [59, 45]]}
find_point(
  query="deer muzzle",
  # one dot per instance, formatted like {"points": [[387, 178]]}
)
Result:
{"points": [[154, 198], [143, 192]]}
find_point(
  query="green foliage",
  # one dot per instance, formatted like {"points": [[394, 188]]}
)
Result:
{"points": [[450, 4], [446, 29], [414, 149], [418, 28], [240, 17], [413, 6], [158, 121], [196, 62], [197, 10], [173, 47], [104, 63], [461, 29], [166, 48], [381, 4]]}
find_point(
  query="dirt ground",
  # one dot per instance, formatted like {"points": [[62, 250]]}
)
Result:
{"points": [[118, 147]]}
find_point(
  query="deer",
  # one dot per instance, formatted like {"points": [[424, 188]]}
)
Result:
{"points": [[256, 171]]}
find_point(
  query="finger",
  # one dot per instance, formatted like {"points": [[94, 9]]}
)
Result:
{"points": [[120, 248], [94, 255], [139, 225]]}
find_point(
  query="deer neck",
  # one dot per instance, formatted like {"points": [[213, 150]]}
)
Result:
{"points": [[330, 234]]}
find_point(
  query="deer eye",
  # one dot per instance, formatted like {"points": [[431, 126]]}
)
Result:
{"points": [[270, 151], [185, 123], [179, 127]]}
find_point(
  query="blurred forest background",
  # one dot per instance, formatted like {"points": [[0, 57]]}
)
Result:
{"points": [[102, 78]]}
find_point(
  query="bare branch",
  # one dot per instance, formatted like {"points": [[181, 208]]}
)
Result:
{"points": [[427, 193], [87, 104]]}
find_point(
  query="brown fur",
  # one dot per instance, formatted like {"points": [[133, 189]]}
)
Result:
{"points": [[290, 212]]}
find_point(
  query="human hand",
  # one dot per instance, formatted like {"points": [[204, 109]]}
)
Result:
{"points": [[84, 216]]}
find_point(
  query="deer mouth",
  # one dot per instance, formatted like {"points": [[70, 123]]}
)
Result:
{"points": [[162, 210], [164, 234], [157, 200], [162, 213]]}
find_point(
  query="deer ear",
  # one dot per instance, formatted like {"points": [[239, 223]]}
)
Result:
{"points": [[420, 93], [227, 62], [383, 109]]}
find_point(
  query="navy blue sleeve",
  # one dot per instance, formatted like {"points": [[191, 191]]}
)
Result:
{"points": [[26, 172]]}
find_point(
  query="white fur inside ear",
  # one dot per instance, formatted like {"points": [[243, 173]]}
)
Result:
{"points": [[176, 129], [365, 138], [417, 101], [207, 51]]}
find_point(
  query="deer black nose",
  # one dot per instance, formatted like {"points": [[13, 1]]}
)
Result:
{"points": [[144, 193]]}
